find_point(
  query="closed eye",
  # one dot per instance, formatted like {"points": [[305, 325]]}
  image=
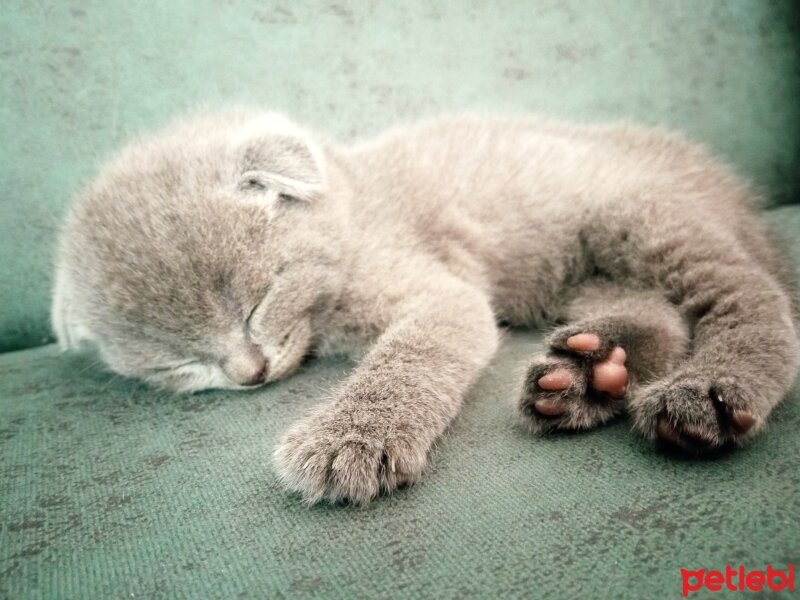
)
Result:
{"points": [[253, 183], [255, 308], [172, 367], [252, 312]]}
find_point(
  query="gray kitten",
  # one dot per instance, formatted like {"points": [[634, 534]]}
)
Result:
{"points": [[221, 251]]}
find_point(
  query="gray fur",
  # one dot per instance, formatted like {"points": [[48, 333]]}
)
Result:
{"points": [[220, 252]]}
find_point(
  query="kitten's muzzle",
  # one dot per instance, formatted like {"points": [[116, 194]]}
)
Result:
{"points": [[257, 378], [247, 368]]}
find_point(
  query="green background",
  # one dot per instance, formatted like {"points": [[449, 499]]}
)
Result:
{"points": [[111, 490], [80, 78]]}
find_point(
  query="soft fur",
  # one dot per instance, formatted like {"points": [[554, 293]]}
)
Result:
{"points": [[222, 251]]}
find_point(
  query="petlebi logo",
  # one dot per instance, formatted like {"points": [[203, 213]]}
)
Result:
{"points": [[739, 579]]}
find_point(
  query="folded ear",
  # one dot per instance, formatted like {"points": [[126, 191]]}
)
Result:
{"points": [[70, 333], [275, 154]]}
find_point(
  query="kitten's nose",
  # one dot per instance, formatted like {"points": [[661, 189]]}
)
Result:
{"points": [[248, 367], [258, 377]]}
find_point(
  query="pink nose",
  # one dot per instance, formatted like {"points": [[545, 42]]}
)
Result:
{"points": [[247, 366], [257, 378]]}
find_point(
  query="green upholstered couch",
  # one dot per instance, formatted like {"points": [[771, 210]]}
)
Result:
{"points": [[111, 490]]}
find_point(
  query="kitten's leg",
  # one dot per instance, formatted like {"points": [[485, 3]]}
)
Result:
{"points": [[744, 353], [375, 433], [615, 339]]}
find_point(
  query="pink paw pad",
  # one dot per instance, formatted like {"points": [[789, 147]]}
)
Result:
{"points": [[559, 379], [584, 342], [610, 375]]}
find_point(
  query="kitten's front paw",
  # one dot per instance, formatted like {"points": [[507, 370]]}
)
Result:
{"points": [[337, 454], [697, 414]]}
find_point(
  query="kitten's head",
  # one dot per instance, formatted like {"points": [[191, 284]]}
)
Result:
{"points": [[200, 257]]}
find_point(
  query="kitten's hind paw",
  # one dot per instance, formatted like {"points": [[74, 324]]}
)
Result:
{"points": [[697, 415], [576, 386]]}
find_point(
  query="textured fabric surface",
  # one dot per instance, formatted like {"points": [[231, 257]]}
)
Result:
{"points": [[78, 79], [111, 490]]}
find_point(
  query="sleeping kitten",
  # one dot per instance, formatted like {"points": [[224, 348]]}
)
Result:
{"points": [[222, 251]]}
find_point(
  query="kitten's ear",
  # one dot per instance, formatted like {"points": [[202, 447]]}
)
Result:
{"points": [[70, 333], [275, 154]]}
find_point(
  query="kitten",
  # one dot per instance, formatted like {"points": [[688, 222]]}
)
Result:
{"points": [[220, 252]]}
